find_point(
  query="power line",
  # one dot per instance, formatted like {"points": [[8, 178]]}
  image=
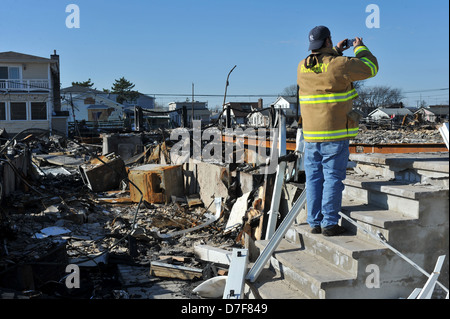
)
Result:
{"points": [[429, 90], [233, 95], [184, 95], [31, 86]]}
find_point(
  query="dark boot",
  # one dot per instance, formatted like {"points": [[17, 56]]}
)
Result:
{"points": [[333, 230]]}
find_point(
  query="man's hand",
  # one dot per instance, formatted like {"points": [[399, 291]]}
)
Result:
{"points": [[358, 42], [341, 45]]}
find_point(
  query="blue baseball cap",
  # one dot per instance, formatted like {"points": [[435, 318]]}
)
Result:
{"points": [[317, 36]]}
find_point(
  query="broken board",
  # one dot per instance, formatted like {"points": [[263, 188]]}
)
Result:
{"points": [[161, 269], [237, 213]]}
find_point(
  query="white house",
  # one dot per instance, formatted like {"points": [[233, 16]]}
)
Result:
{"points": [[285, 102], [30, 93], [94, 105], [259, 119], [289, 105], [389, 113], [90, 105]]}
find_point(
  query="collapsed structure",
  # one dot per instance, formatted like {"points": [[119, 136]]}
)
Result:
{"points": [[142, 221]]}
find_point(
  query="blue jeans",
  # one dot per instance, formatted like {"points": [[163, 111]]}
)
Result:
{"points": [[325, 169]]}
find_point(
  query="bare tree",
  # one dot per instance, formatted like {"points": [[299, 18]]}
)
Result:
{"points": [[290, 90], [370, 98]]}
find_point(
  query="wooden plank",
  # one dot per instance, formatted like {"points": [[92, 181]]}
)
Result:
{"points": [[116, 200], [170, 259], [161, 269], [213, 254]]}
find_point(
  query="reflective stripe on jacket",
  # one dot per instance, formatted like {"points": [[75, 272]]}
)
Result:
{"points": [[326, 92]]}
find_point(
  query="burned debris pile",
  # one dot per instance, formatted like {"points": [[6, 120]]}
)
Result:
{"points": [[404, 135], [124, 221]]}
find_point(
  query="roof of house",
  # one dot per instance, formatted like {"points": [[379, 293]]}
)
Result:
{"points": [[392, 111], [242, 109], [264, 112], [11, 56], [243, 106], [392, 106], [78, 89], [239, 113], [439, 107], [290, 99]]}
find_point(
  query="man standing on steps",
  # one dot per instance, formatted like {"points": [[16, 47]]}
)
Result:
{"points": [[326, 92]]}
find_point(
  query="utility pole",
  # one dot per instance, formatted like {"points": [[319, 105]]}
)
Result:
{"points": [[297, 103], [192, 118], [228, 115]]}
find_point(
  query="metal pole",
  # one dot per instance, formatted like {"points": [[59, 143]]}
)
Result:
{"points": [[297, 104], [192, 117], [279, 178], [427, 290], [228, 118]]}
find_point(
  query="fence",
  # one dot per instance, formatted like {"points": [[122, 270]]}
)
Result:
{"points": [[89, 127]]}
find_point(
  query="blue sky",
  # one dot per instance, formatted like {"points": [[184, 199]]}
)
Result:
{"points": [[165, 46]]}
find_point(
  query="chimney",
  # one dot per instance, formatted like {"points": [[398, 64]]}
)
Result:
{"points": [[260, 104], [56, 82]]}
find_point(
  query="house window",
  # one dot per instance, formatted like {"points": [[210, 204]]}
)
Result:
{"points": [[8, 75], [12, 72], [18, 111], [2, 111], [3, 72], [38, 110]]}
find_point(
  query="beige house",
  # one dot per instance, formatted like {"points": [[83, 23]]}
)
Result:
{"points": [[434, 113], [30, 93]]}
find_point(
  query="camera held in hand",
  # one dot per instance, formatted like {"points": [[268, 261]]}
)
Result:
{"points": [[349, 43]]}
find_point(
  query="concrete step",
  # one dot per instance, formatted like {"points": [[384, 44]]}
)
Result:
{"points": [[373, 215], [308, 273], [391, 195], [347, 251], [425, 168], [270, 285], [374, 219]]}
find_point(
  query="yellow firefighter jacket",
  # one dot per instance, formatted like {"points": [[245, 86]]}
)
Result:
{"points": [[326, 92]]}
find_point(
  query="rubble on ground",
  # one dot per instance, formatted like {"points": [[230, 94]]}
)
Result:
{"points": [[106, 233], [420, 135]]}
